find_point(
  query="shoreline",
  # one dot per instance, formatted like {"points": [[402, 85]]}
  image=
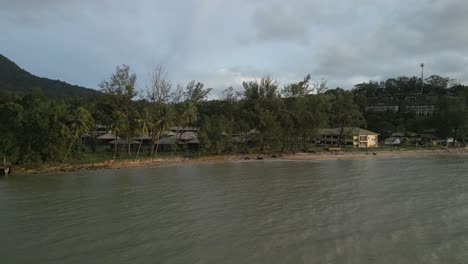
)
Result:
{"points": [[228, 158]]}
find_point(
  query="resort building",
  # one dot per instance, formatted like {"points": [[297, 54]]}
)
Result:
{"points": [[418, 104], [421, 105], [354, 136], [381, 104]]}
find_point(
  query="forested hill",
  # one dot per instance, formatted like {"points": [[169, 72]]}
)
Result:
{"points": [[13, 78]]}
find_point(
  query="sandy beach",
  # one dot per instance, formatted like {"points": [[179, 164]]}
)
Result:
{"points": [[212, 159]]}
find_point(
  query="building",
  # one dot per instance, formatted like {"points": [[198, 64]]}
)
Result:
{"points": [[184, 129], [381, 104], [381, 108], [99, 130], [353, 136], [392, 141], [187, 137], [418, 104]]}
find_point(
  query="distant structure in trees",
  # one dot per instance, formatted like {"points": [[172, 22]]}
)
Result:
{"points": [[353, 136], [422, 78], [416, 103]]}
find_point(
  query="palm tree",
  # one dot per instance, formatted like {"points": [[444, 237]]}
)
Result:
{"points": [[345, 112], [144, 124], [189, 115], [118, 121], [81, 123], [164, 123]]}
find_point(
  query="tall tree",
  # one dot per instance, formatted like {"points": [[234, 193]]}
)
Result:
{"points": [[118, 124], [196, 92], [159, 97], [189, 114], [81, 123], [145, 123], [261, 105], [11, 115], [345, 113], [452, 118], [121, 88], [164, 123]]}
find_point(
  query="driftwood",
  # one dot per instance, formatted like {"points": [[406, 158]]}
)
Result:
{"points": [[6, 169]]}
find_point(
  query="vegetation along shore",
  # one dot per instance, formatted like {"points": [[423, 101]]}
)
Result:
{"points": [[227, 158], [122, 125]]}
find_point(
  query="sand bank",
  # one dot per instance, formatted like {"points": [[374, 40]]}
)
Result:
{"points": [[212, 159]]}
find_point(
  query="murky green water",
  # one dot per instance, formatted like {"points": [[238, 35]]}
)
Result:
{"points": [[376, 210]]}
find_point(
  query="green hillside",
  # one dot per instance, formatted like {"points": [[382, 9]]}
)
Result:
{"points": [[13, 78]]}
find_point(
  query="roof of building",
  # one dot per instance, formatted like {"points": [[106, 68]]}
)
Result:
{"points": [[176, 129], [168, 133], [122, 141], [108, 136], [238, 139], [143, 137], [355, 131], [170, 141], [186, 136], [429, 136], [194, 141], [167, 141], [398, 134]]}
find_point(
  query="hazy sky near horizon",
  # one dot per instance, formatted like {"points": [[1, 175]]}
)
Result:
{"points": [[222, 43]]}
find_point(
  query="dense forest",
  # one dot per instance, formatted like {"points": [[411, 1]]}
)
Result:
{"points": [[449, 118], [13, 78], [266, 116]]}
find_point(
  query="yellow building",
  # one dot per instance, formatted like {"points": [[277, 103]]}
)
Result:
{"points": [[357, 137]]}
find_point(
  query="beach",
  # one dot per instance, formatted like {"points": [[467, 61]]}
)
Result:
{"points": [[224, 158]]}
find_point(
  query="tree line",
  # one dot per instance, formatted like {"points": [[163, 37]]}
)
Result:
{"points": [[451, 106], [264, 116]]}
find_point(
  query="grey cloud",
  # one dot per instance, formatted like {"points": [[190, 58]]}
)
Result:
{"points": [[35, 13], [31, 4], [428, 31], [340, 41], [442, 23], [282, 20], [298, 20]]}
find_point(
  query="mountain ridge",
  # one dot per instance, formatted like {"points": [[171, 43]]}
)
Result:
{"points": [[14, 78]]}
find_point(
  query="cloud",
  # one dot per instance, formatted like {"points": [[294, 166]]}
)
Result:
{"points": [[36, 13], [299, 20], [222, 43], [394, 44], [282, 20], [32, 5]]}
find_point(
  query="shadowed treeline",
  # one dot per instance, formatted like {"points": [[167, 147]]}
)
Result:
{"points": [[263, 116]]}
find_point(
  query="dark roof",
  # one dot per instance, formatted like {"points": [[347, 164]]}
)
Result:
{"points": [[346, 131], [143, 137], [176, 129], [194, 141], [170, 141], [107, 136], [186, 136], [167, 141], [122, 141]]}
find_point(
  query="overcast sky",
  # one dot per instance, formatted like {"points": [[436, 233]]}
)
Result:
{"points": [[222, 43]]}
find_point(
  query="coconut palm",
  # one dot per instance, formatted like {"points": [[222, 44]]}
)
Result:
{"points": [[117, 125], [81, 123], [144, 124], [164, 123], [190, 114]]}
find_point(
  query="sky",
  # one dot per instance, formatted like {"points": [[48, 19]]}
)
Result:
{"points": [[222, 43]]}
